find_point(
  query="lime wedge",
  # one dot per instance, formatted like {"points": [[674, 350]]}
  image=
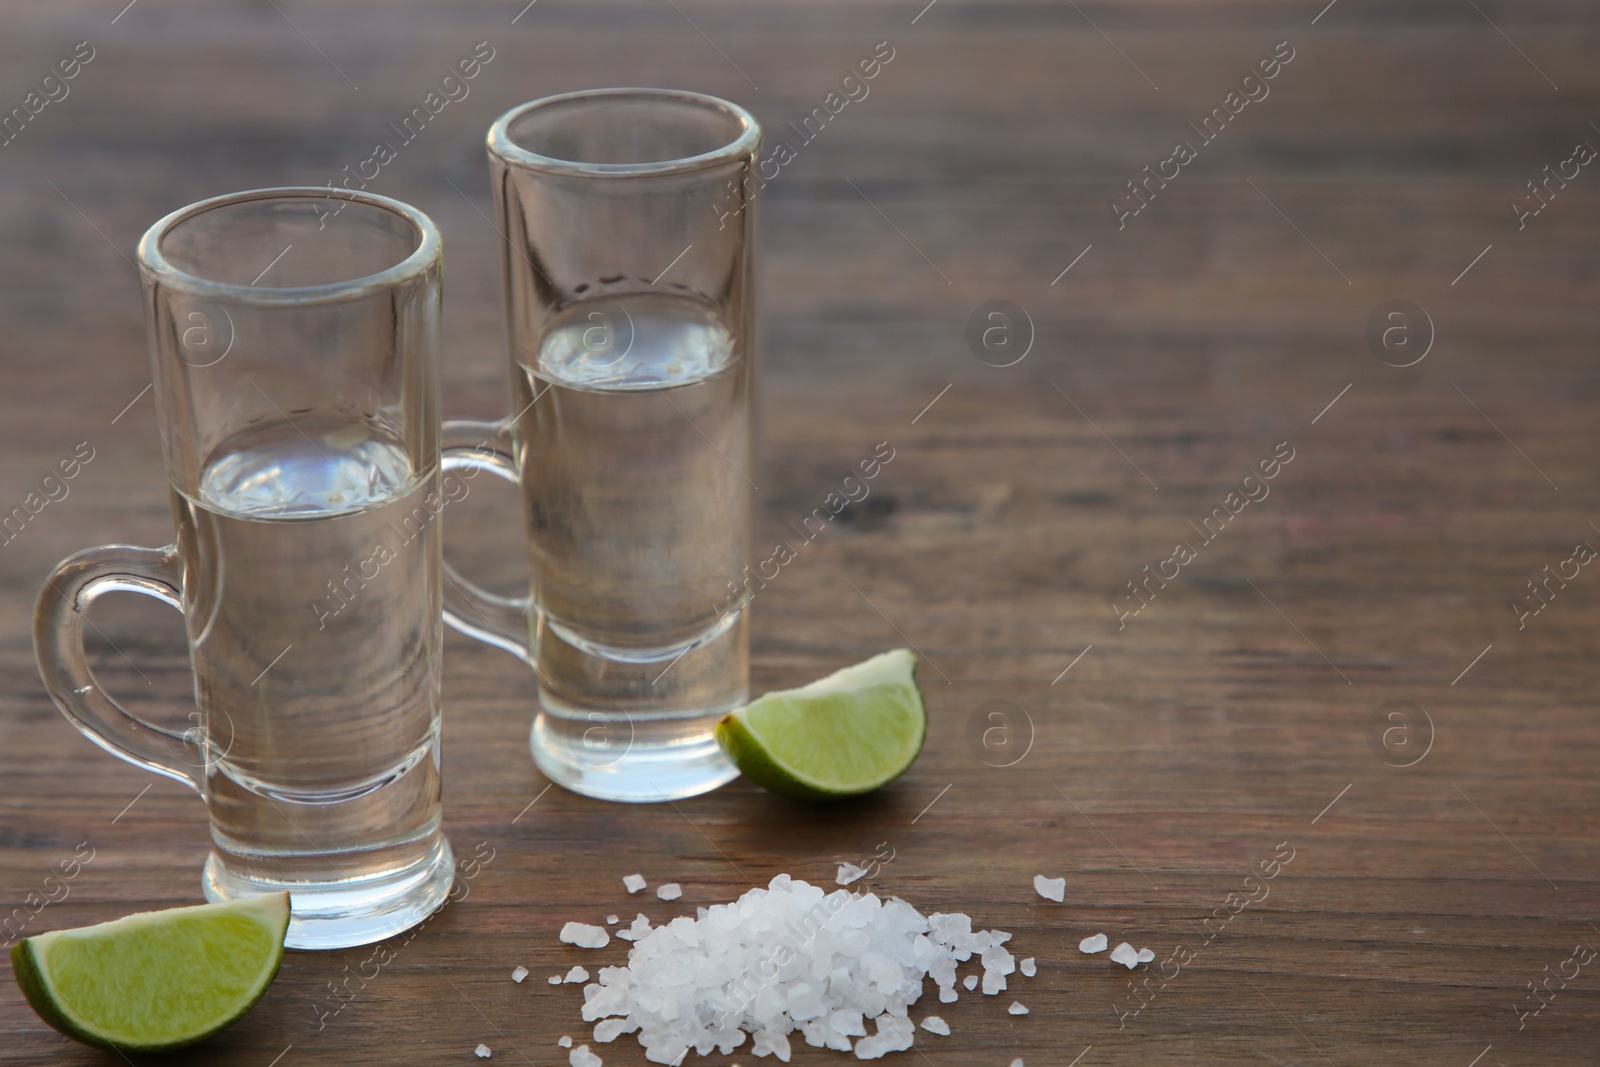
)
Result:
{"points": [[157, 980], [844, 735]]}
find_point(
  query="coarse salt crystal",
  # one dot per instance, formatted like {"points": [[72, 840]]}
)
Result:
{"points": [[577, 974], [564, 1041], [483, 1052], [610, 1029], [1017, 1008], [1029, 968], [1146, 955], [970, 981], [935, 1025], [712, 982], [894, 1035], [670, 891], [1125, 955], [612, 920], [585, 936], [1017, 1062], [519, 974], [554, 979], [1093, 944], [634, 882], [1050, 888], [848, 873], [582, 1057]]}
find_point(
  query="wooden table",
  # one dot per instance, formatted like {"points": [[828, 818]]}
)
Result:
{"points": [[1442, 860]]}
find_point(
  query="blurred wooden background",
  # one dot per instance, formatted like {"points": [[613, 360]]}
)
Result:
{"points": [[1235, 712]]}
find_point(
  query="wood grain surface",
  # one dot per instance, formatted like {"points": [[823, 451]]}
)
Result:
{"points": [[1444, 862]]}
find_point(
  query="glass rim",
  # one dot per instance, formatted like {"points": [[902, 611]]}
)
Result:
{"points": [[502, 145], [154, 265]]}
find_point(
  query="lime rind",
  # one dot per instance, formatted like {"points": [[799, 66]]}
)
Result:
{"points": [[849, 733], [155, 981]]}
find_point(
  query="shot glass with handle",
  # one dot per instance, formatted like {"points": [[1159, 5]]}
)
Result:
{"points": [[293, 338], [628, 226]]}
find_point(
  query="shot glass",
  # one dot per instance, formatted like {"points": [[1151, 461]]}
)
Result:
{"points": [[628, 221], [293, 338]]}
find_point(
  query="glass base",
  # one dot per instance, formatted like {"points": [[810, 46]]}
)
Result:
{"points": [[349, 912], [631, 766], [638, 725]]}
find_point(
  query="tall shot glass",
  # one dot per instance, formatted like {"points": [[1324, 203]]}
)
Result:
{"points": [[628, 230], [293, 339]]}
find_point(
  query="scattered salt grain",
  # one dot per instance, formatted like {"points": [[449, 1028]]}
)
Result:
{"points": [[564, 1041], [1017, 1008], [849, 872], [970, 981], [612, 920], [1145, 955], [577, 974], [1017, 1062], [634, 882], [1029, 968], [1125, 955], [670, 891], [483, 1052], [582, 1057], [519, 974], [1050, 888], [935, 1025], [554, 979], [707, 982], [1091, 945], [585, 936]]}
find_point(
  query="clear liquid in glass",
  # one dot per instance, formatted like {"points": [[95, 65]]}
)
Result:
{"points": [[633, 444], [311, 587]]}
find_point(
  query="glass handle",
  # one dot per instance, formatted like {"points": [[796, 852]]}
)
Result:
{"points": [[58, 621], [472, 446]]}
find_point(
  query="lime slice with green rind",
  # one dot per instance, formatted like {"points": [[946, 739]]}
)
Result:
{"points": [[844, 735], [158, 980]]}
